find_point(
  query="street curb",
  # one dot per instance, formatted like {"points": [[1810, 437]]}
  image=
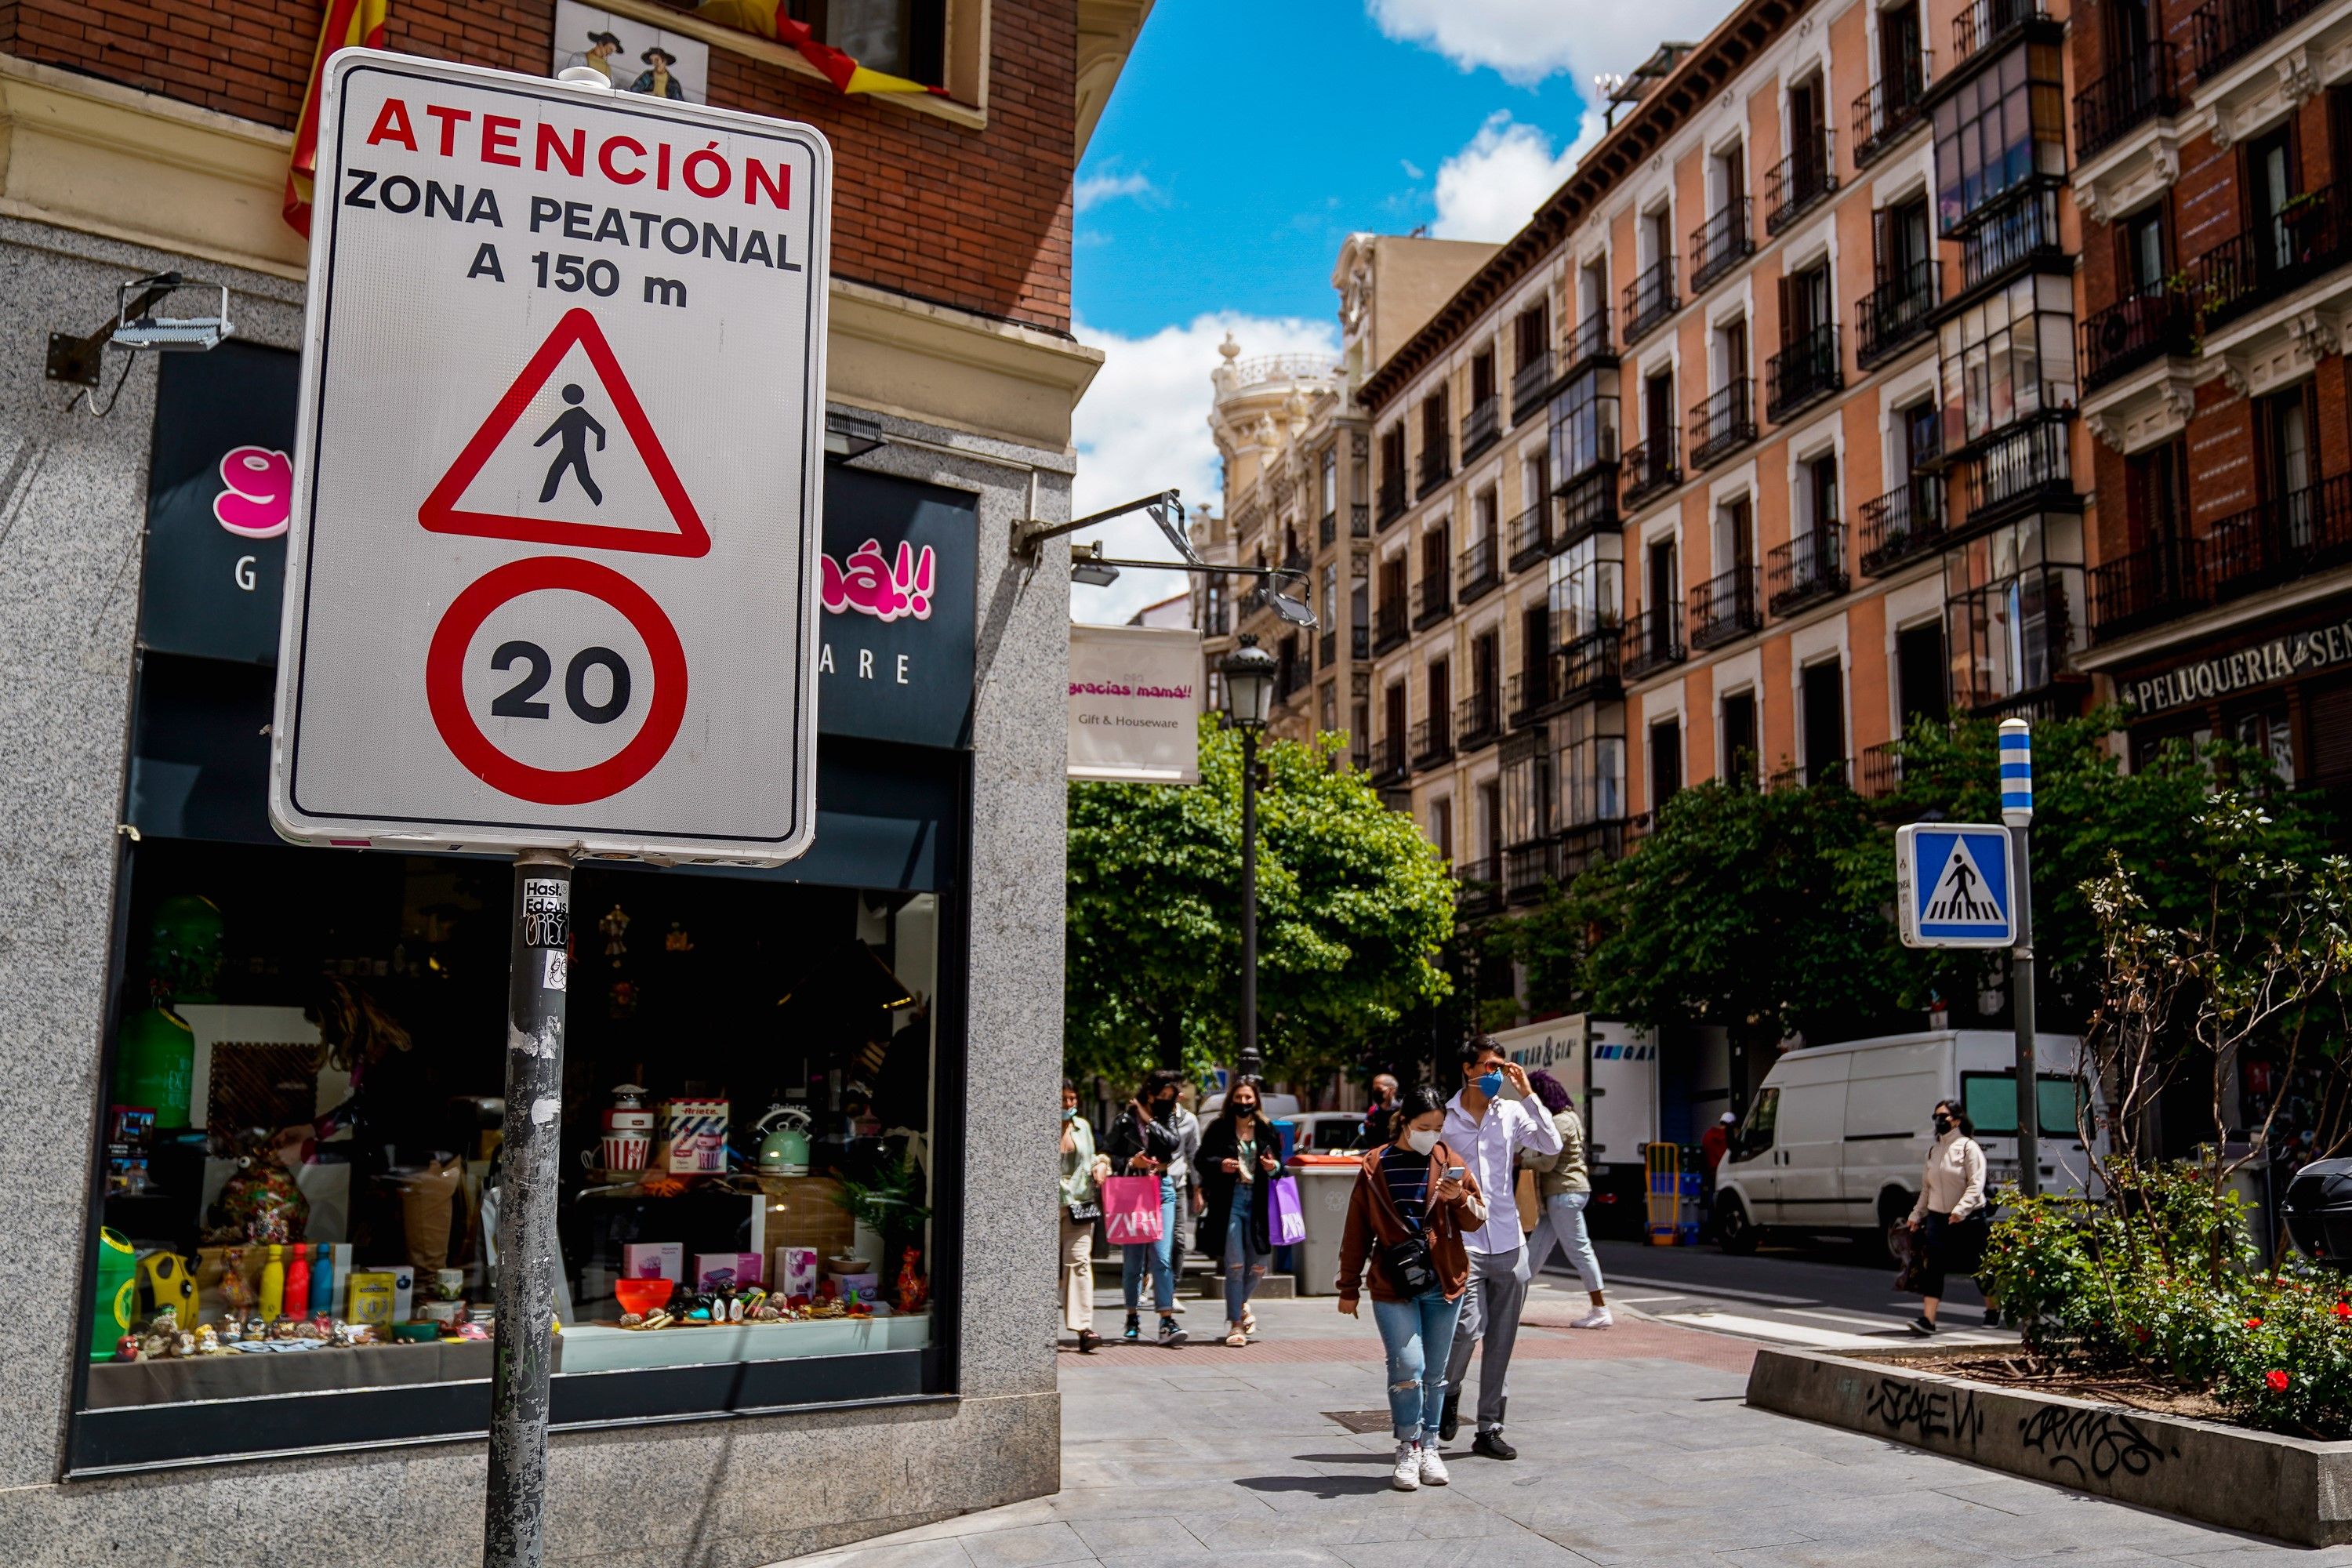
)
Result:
{"points": [[2290, 1489]]}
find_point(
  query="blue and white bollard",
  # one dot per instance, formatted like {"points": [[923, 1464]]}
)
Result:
{"points": [[2017, 811]]}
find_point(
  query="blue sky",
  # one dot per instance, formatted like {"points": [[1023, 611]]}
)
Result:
{"points": [[1245, 141]]}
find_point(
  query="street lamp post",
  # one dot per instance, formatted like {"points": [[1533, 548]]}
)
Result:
{"points": [[1249, 672]]}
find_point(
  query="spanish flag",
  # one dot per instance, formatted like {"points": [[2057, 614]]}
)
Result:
{"points": [[346, 25], [768, 19]]}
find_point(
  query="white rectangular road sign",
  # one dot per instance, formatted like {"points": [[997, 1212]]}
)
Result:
{"points": [[1952, 885], [552, 569]]}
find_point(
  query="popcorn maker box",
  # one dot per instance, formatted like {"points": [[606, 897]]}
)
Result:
{"points": [[696, 1131]]}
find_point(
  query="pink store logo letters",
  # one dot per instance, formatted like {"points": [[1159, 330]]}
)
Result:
{"points": [[258, 500], [874, 585]]}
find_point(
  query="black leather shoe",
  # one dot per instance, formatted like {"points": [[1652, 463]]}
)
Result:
{"points": [[1491, 1443], [1450, 1422]]}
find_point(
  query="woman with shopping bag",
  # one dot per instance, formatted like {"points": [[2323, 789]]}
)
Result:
{"points": [[1413, 1198], [1082, 1174], [1139, 1202], [1241, 1158]]}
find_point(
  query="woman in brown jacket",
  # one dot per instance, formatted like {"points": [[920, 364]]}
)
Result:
{"points": [[1412, 1200]]}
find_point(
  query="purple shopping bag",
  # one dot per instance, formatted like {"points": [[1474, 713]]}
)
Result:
{"points": [[1131, 1209], [1286, 1221]]}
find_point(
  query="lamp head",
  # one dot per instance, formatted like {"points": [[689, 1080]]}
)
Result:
{"points": [[1249, 672]]}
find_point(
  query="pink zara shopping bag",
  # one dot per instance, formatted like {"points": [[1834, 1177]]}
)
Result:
{"points": [[1132, 1213]]}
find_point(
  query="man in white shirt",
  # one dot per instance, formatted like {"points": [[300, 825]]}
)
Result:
{"points": [[1485, 1125]]}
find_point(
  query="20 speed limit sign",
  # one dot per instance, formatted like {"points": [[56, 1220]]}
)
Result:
{"points": [[551, 576]]}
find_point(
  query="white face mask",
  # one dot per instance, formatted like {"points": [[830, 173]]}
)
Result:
{"points": [[1421, 1142]]}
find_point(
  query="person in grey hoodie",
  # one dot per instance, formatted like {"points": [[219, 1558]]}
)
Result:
{"points": [[1564, 1186]]}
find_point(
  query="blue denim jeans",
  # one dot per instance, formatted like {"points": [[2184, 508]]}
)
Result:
{"points": [[1244, 1264], [1158, 1256], [1418, 1334]]}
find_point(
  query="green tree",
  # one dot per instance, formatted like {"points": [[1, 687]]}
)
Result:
{"points": [[1354, 908]]}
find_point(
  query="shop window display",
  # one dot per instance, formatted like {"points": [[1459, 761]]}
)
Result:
{"points": [[301, 1169]]}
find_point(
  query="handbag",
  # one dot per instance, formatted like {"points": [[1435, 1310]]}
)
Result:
{"points": [[1132, 1213], [1084, 1214], [1410, 1265], [1286, 1221]]}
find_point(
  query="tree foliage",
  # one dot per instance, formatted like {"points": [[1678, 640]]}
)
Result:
{"points": [[1354, 907]]}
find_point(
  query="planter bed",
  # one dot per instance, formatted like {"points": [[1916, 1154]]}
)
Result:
{"points": [[2291, 1489]]}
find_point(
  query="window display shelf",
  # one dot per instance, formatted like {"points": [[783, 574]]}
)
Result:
{"points": [[599, 1347]]}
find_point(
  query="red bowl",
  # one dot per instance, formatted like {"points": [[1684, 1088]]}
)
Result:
{"points": [[643, 1296]]}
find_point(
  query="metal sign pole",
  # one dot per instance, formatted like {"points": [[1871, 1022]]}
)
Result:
{"points": [[2017, 811], [513, 1533]]}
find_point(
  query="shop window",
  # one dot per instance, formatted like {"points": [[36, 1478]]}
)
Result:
{"points": [[2013, 600], [2001, 128], [903, 37], [2009, 357], [2269, 733]]}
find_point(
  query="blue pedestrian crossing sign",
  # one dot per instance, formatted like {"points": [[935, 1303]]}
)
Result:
{"points": [[1952, 886]]}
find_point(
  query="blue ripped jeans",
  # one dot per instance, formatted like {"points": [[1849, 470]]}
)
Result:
{"points": [[1158, 1257], [1244, 1264], [1418, 1333]]}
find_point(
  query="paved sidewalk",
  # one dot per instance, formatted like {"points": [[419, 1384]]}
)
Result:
{"points": [[1634, 1449]]}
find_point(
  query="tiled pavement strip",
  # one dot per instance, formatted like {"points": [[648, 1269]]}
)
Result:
{"points": [[1634, 1450]]}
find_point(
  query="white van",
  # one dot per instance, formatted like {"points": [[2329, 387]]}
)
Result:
{"points": [[1838, 1135]]}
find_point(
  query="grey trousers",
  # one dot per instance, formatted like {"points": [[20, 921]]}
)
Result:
{"points": [[1490, 1310]]}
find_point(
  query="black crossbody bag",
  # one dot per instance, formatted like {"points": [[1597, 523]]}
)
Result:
{"points": [[1409, 1261]]}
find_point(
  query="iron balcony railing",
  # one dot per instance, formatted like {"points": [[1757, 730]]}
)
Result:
{"points": [[1298, 560], [1803, 372], [1986, 23], [1587, 668], [1326, 653], [1902, 525], [1482, 427], [1588, 503], [1478, 885], [1807, 570], [1329, 530], [1531, 385], [2016, 231], [1390, 627], [1722, 242], [1726, 609], [1588, 347], [2145, 86], [1529, 868], [2290, 536], [1881, 773], [1432, 599], [1436, 466], [1800, 182], [1895, 314], [1432, 740], [1480, 572], [1393, 500], [1359, 756], [1884, 114], [2021, 469], [1652, 641], [1360, 520], [1649, 298], [2130, 332], [1723, 422], [1531, 536], [2222, 32], [1477, 720], [1359, 642], [2311, 236], [1653, 467], [1389, 762], [2148, 586], [1530, 694]]}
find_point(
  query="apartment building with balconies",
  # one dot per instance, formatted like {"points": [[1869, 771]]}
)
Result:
{"points": [[1296, 453], [2214, 171], [1776, 393]]}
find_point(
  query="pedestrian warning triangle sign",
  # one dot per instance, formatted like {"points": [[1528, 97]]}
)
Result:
{"points": [[1953, 884], [562, 475]]}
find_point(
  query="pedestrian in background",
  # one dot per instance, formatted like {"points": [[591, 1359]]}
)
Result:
{"points": [[1950, 1216], [1143, 1142], [1716, 1142], [1405, 1216], [1240, 1153], [1184, 1170], [1082, 1172], [1563, 1188], [1377, 1130], [1487, 1124]]}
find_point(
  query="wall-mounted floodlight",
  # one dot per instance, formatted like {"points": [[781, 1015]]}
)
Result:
{"points": [[1087, 566]]}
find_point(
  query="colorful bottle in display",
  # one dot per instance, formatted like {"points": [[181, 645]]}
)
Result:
{"points": [[298, 1282], [322, 1282], [273, 1285]]}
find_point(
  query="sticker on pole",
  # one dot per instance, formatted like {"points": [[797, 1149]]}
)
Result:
{"points": [[1952, 886], [554, 563]]}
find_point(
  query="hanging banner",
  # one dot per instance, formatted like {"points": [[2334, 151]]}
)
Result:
{"points": [[1135, 704]]}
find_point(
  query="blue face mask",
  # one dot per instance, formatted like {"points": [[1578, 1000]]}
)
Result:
{"points": [[1490, 1084], [1071, 1114]]}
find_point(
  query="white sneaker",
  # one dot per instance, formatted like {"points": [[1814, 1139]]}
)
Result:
{"points": [[1432, 1468], [1597, 1318], [1409, 1465]]}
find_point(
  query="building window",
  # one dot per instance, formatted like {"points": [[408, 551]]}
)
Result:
{"points": [[1739, 744], [1583, 429], [2003, 127], [1331, 482], [1526, 809], [1665, 762], [2009, 357], [1920, 674], [1327, 712], [1441, 826], [2014, 600], [901, 37], [1589, 761], [1824, 686], [1586, 590]]}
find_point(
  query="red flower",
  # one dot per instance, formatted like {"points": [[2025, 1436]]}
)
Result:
{"points": [[2277, 1379], [2254, 1322], [2343, 1311]]}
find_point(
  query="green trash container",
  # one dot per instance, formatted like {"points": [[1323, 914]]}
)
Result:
{"points": [[116, 1304]]}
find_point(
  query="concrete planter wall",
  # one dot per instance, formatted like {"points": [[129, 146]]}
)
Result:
{"points": [[2291, 1489]]}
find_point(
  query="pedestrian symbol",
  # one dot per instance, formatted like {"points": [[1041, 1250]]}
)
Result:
{"points": [[1953, 886], [574, 426], [502, 486]]}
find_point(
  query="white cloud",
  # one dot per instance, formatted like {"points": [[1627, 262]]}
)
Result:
{"points": [[1493, 185], [1093, 190], [1527, 40], [1143, 425]]}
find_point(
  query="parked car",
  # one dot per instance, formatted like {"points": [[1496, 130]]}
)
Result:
{"points": [[1837, 1135], [1328, 1132]]}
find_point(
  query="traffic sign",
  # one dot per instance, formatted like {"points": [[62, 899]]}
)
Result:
{"points": [[554, 562], [1952, 886]]}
